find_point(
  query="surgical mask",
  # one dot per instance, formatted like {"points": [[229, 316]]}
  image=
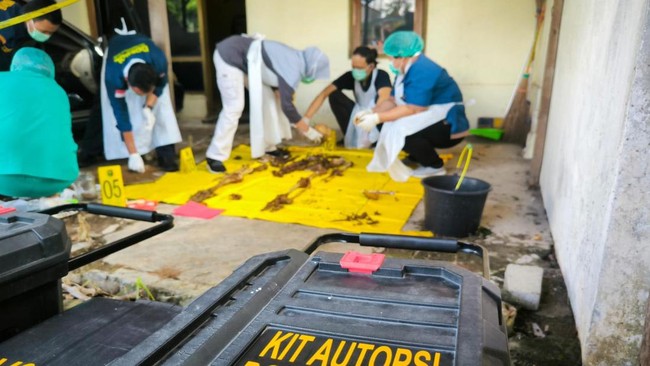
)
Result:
{"points": [[359, 74], [37, 35], [310, 79], [394, 69]]}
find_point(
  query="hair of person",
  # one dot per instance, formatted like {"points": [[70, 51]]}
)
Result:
{"points": [[54, 17], [142, 76], [370, 54]]}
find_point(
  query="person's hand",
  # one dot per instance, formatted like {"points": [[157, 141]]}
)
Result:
{"points": [[302, 125], [136, 163], [368, 122], [313, 135], [359, 115], [149, 118]]}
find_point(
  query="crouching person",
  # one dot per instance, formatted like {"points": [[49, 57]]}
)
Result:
{"points": [[137, 110], [39, 156]]}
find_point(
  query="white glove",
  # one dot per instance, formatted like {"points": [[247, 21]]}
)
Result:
{"points": [[136, 163], [313, 135], [149, 118], [359, 115], [368, 122]]}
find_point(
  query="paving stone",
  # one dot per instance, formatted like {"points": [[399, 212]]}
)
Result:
{"points": [[523, 285]]}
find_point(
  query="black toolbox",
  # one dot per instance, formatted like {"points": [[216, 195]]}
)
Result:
{"points": [[34, 252], [295, 308], [35, 255]]}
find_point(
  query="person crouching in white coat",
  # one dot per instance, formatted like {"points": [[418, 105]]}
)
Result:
{"points": [[137, 111], [269, 68]]}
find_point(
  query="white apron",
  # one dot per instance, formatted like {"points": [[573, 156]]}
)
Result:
{"points": [[267, 125], [393, 136], [355, 137], [165, 131]]}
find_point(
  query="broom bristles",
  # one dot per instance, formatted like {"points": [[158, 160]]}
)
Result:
{"points": [[516, 124]]}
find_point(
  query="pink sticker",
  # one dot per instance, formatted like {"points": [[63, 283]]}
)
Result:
{"points": [[193, 209]]}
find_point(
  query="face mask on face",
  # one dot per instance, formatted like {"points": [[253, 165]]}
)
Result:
{"points": [[359, 74], [37, 35], [393, 69]]}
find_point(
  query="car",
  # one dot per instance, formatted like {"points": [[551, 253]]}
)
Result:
{"points": [[78, 59]]}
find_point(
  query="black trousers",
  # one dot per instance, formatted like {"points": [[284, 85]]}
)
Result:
{"points": [[342, 107], [422, 145]]}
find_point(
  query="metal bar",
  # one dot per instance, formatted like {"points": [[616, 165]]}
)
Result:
{"points": [[79, 261], [405, 242], [165, 222]]}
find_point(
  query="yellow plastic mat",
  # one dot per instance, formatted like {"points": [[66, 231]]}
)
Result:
{"points": [[337, 204]]}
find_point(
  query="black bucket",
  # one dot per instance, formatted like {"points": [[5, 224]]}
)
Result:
{"points": [[453, 213]]}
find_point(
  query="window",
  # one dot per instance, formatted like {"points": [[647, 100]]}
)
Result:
{"points": [[374, 20]]}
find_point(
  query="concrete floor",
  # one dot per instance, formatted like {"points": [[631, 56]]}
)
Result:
{"points": [[201, 253]]}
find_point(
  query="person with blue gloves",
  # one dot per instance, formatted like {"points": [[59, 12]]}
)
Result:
{"points": [[425, 113], [272, 72], [39, 29], [369, 85], [36, 129], [137, 110]]}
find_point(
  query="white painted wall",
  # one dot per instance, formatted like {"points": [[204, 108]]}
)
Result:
{"points": [[77, 15], [483, 44], [595, 178]]}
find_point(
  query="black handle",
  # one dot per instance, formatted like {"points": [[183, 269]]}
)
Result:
{"points": [[122, 212], [165, 222], [405, 242], [409, 242]]}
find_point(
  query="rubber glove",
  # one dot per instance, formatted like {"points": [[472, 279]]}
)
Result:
{"points": [[313, 135], [368, 122], [149, 118], [359, 115], [136, 163]]}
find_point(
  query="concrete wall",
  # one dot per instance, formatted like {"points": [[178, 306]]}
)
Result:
{"points": [[77, 15], [595, 176], [483, 44]]}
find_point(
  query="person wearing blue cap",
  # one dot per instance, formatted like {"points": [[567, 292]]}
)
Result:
{"points": [[426, 111], [40, 154]]}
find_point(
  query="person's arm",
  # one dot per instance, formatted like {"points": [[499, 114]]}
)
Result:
{"points": [[286, 101], [383, 94], [303, 124], [152, 98], [120, 110], [399, 112], [127, 136], [384, 105]]}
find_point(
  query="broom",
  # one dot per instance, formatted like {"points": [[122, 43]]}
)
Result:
{"points": [[516, 123]]}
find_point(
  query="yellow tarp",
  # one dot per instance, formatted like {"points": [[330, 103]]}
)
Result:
{"points": [[331, 204]]}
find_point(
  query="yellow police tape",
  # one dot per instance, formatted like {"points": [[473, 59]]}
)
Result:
{"points": [[337, 204], [35, 14]]}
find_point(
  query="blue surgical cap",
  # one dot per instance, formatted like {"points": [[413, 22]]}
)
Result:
{"points": [[34, 60], [403, 44]]}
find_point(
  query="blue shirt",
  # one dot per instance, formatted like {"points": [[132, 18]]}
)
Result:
{"points": [[121, 50], [10, 38], [426, 83]]}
